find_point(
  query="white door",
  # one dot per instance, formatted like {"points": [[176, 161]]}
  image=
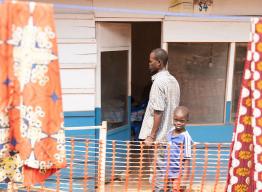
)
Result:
{"points": [[114, 53]]}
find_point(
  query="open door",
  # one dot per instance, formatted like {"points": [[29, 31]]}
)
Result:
{"points": [[114, 50]]}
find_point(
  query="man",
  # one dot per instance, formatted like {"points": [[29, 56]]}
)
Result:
{"points": [[163, 99]]}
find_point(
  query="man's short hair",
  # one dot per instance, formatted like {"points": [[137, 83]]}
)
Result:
{"points": [[161, 55]]}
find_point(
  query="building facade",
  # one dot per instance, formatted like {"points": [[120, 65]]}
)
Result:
{"points": [[104, 47]]}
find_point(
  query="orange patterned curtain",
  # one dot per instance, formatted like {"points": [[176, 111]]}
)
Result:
{"points": [[31, 118], [245, 165]]}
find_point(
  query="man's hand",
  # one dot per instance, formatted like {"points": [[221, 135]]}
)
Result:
{"points": [[149, 141]]}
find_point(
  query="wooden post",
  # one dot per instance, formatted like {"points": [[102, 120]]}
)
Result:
{"points": [[102, 157]]}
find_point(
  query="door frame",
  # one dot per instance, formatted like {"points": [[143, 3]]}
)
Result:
{"points": [[121, 34]]}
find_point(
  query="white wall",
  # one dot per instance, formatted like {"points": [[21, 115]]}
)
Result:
{"points": [[204, 30], [237, 7], [77, 50], [131, 5], [223, 7], [77, 2]]}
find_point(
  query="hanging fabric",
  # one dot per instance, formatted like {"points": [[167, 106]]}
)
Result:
{"points": [[31, 116], [245, 165]]}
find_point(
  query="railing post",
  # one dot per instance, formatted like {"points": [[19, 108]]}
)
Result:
{"points": [[102, 157]]}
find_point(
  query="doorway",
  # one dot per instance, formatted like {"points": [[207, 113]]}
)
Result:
{"points": [[146, 36], [123, 50]]}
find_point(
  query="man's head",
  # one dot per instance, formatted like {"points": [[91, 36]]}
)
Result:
{"points": [[157, 60], [180, 117]]}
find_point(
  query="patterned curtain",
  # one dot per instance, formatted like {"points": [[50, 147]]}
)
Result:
{"points": [[31, 118], [245, 165]]}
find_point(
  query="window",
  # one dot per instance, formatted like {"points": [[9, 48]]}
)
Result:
{"points": [[114, 87], [240, 58], [201, 70]]}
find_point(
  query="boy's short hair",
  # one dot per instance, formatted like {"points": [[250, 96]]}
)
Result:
{"points": [[182, 109]]}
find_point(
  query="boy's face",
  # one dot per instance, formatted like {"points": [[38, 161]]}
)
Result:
{"points": [[180, 120]]}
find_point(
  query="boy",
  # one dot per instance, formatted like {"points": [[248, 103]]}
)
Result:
{"points": [[176, 137]]}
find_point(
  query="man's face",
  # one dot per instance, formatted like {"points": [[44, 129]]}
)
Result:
{"points": [[180, 120], [154, 65]]}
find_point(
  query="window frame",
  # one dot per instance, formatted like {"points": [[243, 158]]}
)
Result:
{"points": [[228, 85], [232, 80]]}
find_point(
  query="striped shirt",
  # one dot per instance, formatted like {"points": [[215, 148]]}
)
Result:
{"points": [[175, 142], [164, 96]]}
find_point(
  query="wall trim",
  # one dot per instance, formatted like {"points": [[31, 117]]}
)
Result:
{"points": [[79, 114]]}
